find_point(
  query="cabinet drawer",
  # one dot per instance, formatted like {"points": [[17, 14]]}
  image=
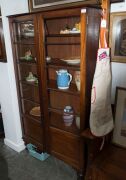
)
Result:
{"points": [[33, 129], [65, 146]]}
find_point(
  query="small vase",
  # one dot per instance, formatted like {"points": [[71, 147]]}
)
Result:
{"points": [[68, 116]]}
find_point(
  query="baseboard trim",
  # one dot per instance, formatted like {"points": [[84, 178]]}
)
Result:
{"points": [[17, 147]]}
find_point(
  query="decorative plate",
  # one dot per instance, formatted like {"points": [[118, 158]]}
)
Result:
{"points": [[35, 111], [28, 58], [71, 61]]}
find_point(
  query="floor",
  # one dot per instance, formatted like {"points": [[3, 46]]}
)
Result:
{"points": [[22, 166], [110, 164]]}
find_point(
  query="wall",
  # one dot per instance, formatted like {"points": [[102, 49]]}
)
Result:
{"points": [[118, 69], [8, 94]]}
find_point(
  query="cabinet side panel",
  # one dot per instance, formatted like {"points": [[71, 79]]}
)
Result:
{"points": [[92, 46], [2, 44]]}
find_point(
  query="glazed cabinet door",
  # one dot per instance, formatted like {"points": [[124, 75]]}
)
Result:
{"points": [[24, 39], [55, 55], [68, 44], [61, 60]]}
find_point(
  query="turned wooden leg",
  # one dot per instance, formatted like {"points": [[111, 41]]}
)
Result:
{"points": [[80, 176]]}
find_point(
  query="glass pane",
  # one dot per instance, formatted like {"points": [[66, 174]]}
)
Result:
{"points": [[28, 73], [29, 92], [26, 52], [56, 120], [30, 108], [61, 24], [24, 31], [59, 100], [33, 129]]}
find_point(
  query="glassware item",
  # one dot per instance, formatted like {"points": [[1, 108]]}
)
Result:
{"points": [[68, 115]]}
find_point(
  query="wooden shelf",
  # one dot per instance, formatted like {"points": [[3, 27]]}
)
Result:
{"points": [[57, 123], [29, 83], [64, 35], [20, 61], [56, 120], [67, 43], [60, 111], [35, 118], [72, 90], [24, 37], [59, 63], [23, 43], [29, 100], [88, 135]]}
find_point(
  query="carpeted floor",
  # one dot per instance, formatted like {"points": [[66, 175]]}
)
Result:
{"points": [[22, 166]]}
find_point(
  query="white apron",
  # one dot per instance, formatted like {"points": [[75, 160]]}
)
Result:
{"points": [[101, 120]]}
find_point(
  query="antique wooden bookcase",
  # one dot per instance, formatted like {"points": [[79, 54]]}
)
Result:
{"points": [[38, 35]]}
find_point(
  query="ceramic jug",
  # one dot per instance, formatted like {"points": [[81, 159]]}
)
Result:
{"points": [[63, 79]]}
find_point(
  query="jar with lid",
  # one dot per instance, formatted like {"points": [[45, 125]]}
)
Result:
{"points": [[68, 115]]}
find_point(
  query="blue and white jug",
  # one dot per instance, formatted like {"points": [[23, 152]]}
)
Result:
{"points": [[63, 79]]}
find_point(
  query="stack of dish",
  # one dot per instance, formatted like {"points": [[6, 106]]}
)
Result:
{"points": [[71, 61]]}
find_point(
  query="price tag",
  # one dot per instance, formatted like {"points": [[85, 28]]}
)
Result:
{"points": [[103, 23], [83, 10]]}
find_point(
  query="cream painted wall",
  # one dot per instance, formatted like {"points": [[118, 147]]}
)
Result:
{"points": [[8, 94], [118, 69]]}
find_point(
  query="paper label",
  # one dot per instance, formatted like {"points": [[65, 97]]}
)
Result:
{"points": [[83, 10], [103, 23]]}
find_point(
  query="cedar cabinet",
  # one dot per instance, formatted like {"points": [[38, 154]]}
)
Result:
{"points": [[50, 34]]}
